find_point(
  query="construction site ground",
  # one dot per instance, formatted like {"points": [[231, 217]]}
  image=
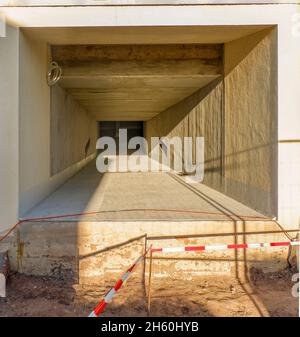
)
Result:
{"points": [[264, 295]]}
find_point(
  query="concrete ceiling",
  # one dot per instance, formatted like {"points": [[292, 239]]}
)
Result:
{"points": [[122, 87], [135, 82]]}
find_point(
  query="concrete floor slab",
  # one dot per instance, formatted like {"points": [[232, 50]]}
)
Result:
{"points": [[138, 196]]}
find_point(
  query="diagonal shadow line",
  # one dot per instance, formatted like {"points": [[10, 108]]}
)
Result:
{"points": [[118, 245], [220, 206], [205, 197]]}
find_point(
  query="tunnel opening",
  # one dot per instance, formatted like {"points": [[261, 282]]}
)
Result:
{"points": [[175, 90], [112, 129]]}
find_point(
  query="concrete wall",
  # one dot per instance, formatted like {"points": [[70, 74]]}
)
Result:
{"points": [[199, 115], [238, 119], [36, 181], [73, 131], [250, 84], [99, 252], [9, 119]]}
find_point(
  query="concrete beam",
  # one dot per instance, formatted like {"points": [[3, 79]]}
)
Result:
{"points": [[138, 93], [135, 82], [63, 53], [127, 69], [116, 83], [124, 116]]}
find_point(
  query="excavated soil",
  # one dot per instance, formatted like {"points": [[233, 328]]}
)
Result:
{"points": [[264, 295]]}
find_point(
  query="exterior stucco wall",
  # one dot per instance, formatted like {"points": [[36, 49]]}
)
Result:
{"points": [[251, 121], [36, 181], [9, 120], [289, 122], [73, 131]]}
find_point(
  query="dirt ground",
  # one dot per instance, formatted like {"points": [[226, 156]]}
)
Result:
{"points": [[266, 295]]}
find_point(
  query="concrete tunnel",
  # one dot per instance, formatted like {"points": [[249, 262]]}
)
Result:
{"points": [[220, 84]]}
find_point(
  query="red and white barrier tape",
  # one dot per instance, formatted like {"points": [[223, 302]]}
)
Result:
{"points": [[110, 294], [53, 217], [224, 247]]}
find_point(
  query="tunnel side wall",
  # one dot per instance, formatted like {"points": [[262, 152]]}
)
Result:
{"points": [[73, 131], [199, 115], [36, 181], [251, 132], [237, 117]]}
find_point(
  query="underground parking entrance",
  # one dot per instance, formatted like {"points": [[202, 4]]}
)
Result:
{"points": [[222, 87]]}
